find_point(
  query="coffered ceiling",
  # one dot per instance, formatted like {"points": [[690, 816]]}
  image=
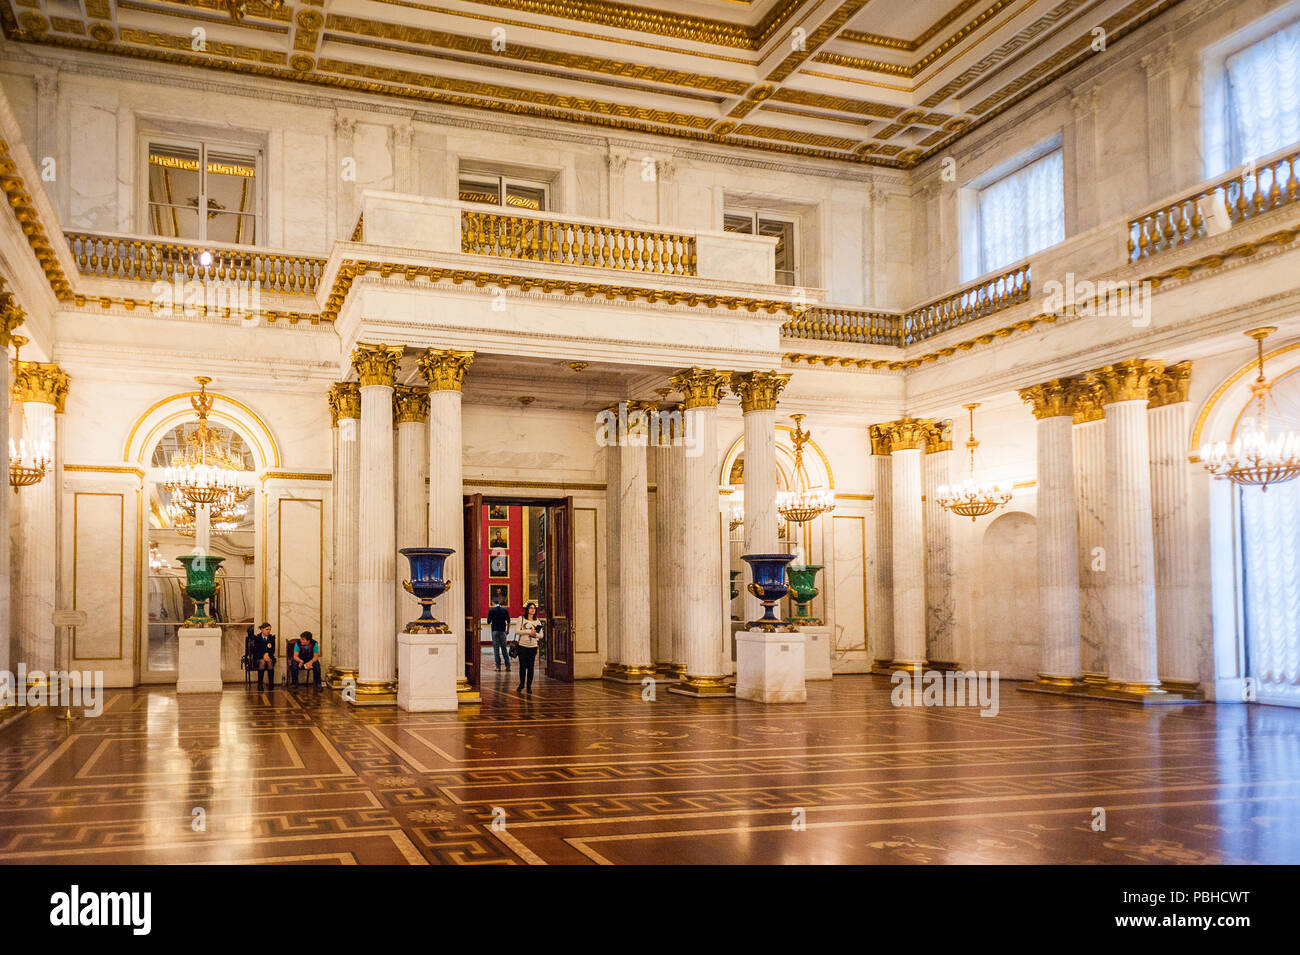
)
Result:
{"points": [[882, 82]]}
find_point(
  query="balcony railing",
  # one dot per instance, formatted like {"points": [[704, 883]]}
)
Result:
{"points": [[577, 243], [1216, 207], [832, 323], [967, 304], [150, 260]]}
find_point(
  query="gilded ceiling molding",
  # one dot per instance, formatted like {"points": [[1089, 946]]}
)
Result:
{"points": [[410, 403], [345, 401], [445, 369], [43, 382], [758, 390], [1170, 386], [1127, 380], [703, 387], [23, 207], [376, 365]]}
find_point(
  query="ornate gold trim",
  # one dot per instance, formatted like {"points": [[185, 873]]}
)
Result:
{"points": [[906, 434], [410, 404], [445, 369], [41, 381], [1127, 380], [1051, 399], [758, 390], [701, 386], [345, 401], [1170, 386], [11, 315], [376, 364]]}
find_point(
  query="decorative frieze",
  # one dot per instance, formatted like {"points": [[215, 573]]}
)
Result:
{"points": [[758, 390], [43, 382], [410, 403], [702, 387], [377, 364], [445, 369], [345, 401]]}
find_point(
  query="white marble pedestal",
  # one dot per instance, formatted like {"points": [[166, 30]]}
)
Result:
{"points": [[770, 667], [426, 672], [817, 653], [198, 667]]}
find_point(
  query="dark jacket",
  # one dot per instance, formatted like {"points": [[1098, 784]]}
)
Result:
{"points": [[499, 619], [257, 645]]}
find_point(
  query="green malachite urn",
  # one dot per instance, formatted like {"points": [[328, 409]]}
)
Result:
{"points": [[803, 588], [200, 585]]}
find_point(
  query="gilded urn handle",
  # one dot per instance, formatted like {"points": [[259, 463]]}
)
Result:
{"points": [[406, 585]]}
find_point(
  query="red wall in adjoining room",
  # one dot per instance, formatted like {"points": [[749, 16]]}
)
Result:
{"points": [[517, 558]]}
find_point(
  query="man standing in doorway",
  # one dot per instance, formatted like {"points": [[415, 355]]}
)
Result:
{"points": [[499, 621]]}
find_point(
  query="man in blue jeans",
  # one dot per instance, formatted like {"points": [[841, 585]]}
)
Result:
{"points": [[305, 655], [499, 621]]}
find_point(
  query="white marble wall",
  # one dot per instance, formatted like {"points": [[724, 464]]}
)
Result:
{"points": [[1179, 624], [1008, 599], [376, 628], [1058, 550], [909, 556], [34, 595], [939, 603], [1089, 439], [880, 574]]}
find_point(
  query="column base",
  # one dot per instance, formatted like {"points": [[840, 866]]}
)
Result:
{"points": [[911, 666], [1144, 694], [670, 671], [1095, 679], [1185, 687], [627, 672], [467, 695], [335, 677], [945, 666], [702, 687], [1056, 685], [376, 693], [880, 667]]}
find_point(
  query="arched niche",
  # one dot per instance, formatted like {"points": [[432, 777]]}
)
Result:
{"points": [[816, 469], [150, 427], [1222, 413]]}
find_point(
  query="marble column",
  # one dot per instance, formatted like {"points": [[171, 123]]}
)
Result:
{"points": [[880, 582], [345, 410], [701, 544], [1089, 443], [1058, 535], [444, 370], [907, 445], [411, 421], [376, 367], [1130, 545], [627, 513], [41, 388], [1168, 417], [11, 316], [670, 528], [758, 391], [940, 640]]}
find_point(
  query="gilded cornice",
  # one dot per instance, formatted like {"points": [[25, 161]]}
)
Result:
{"points": [[39, 381], [939, 437], [1051, 399], [758, 390], [701, 386], [444, 370], [1127, 380], [24, 211], [410, 404], [1170, 386], [376, 364], [907, 434], [345, 401]]}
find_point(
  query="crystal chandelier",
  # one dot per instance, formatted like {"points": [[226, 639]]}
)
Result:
{"points": [[29, 460], [156, 562], [970, 499], [804, 504], [737, 517], [1255, 457], [224, 517], [205, 472]]}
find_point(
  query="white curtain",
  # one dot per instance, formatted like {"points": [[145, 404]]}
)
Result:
{"points": [[1022, 213], [1271, 545], [1264, 95]]}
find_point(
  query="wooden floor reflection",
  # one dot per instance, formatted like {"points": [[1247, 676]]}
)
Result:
{"points": [[592, 773]]}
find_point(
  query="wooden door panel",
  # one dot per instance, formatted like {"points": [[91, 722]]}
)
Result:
{"points": [[473, 597], [559, 597]]}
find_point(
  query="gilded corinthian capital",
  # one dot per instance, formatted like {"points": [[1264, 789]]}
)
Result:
{"points": [[758, 390], [345, 401], [410, 404], [906, 434], [11, 315], [1051, 399], [1170, 386], [41, 381], [701, 386], [1128, 380], [377, 364], [445, 370], [939, 437]]}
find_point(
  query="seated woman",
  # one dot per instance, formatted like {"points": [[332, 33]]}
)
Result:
{"points": [[305, 653], [259, 651]]}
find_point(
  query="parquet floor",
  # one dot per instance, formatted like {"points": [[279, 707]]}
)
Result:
{"points": [[590, 772]]}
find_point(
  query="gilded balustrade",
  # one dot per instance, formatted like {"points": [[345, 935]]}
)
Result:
{"points": [[967, 305], [150, 260], [1241, 196], [832, 323], [577, 243]]}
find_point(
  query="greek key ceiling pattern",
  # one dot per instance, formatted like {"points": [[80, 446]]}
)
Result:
{"points": [[880, 82]]}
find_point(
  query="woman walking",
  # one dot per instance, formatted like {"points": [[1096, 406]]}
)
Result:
{"points": [[527, 633]]}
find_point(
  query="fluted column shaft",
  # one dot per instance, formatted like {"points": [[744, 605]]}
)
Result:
{"points": [[613, 559], [627, 495], [412, 412], [1130, 547], [1058, 552], [1175, 546], [880, 599], [35, 595], [1089, 441], [6, 566], [376, 540], [908, 557], [758, 392], [345, 403], [939, 609], [670, 527]]}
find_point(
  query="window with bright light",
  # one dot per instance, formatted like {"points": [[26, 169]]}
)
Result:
{"points": [[203, 191], [747, 222], [1263, 95], [514, 193], [1021, 213]]}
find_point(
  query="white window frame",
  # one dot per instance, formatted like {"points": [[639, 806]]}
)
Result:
{"points": [[162, 138], [503, 182], [757, 214], [970, 206]]}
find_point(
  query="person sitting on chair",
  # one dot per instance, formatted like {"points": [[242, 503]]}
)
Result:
{"points": [[263, 655], [306, 653]]}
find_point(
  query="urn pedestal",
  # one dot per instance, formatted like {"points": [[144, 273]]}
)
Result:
{"points": [[426, 648], [770, 667], [198, 662]]}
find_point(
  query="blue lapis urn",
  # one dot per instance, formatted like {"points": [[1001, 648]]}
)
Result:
{"points": [[427, 584], [769, 586]]}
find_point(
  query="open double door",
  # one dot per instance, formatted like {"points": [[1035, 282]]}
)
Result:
{"points": [[558, 597]]}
